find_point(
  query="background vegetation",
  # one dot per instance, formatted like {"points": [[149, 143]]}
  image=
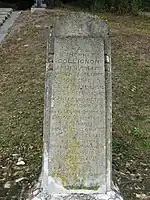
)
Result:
{"points": [[121, 6]]}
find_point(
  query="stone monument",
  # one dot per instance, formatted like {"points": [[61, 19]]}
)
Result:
{"points": [[78, 111], [39, 4]]}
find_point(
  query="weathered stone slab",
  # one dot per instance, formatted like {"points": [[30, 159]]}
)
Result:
{"points": [[6, 9], [77, 145], [5, 13], [78, 109], [3, 17], [8, 24]]}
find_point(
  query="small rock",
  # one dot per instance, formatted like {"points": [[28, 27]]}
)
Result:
{"points": [[26, 45], [20, 163], [7, 184]]}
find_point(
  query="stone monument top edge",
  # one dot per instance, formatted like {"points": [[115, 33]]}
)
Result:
{"points": [[79, 24]]}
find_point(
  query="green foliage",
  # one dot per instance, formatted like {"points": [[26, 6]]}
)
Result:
{"points": [[120, 145], [145, 5], [54, 3], [137, 132], [140, 134], [121, 6], [147, 143], [135, 6]]}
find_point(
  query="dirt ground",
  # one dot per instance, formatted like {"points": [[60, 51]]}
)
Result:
{"points": [[22, 74]]}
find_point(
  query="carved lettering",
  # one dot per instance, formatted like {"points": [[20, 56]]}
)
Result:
{"points": [[78, 109], [78, 61]]}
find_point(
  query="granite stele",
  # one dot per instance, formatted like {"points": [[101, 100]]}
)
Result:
{"points": [[78, 109]]}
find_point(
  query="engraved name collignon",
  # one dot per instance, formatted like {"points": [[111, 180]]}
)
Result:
{"points": [[79, 61]]}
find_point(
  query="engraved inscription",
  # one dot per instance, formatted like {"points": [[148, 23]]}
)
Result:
{"points": [[78, 61], [78, 112]]}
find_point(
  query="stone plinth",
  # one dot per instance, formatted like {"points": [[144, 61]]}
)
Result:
{"points": [[78, 111]]}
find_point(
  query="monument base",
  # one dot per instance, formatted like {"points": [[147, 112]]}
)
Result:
{"points": [[48, 189], [79, 196], [37, 9], [56, 192]]}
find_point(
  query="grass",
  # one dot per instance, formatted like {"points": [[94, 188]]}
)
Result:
{"points": [[131, 110], [22, 70], [22, 74]]}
